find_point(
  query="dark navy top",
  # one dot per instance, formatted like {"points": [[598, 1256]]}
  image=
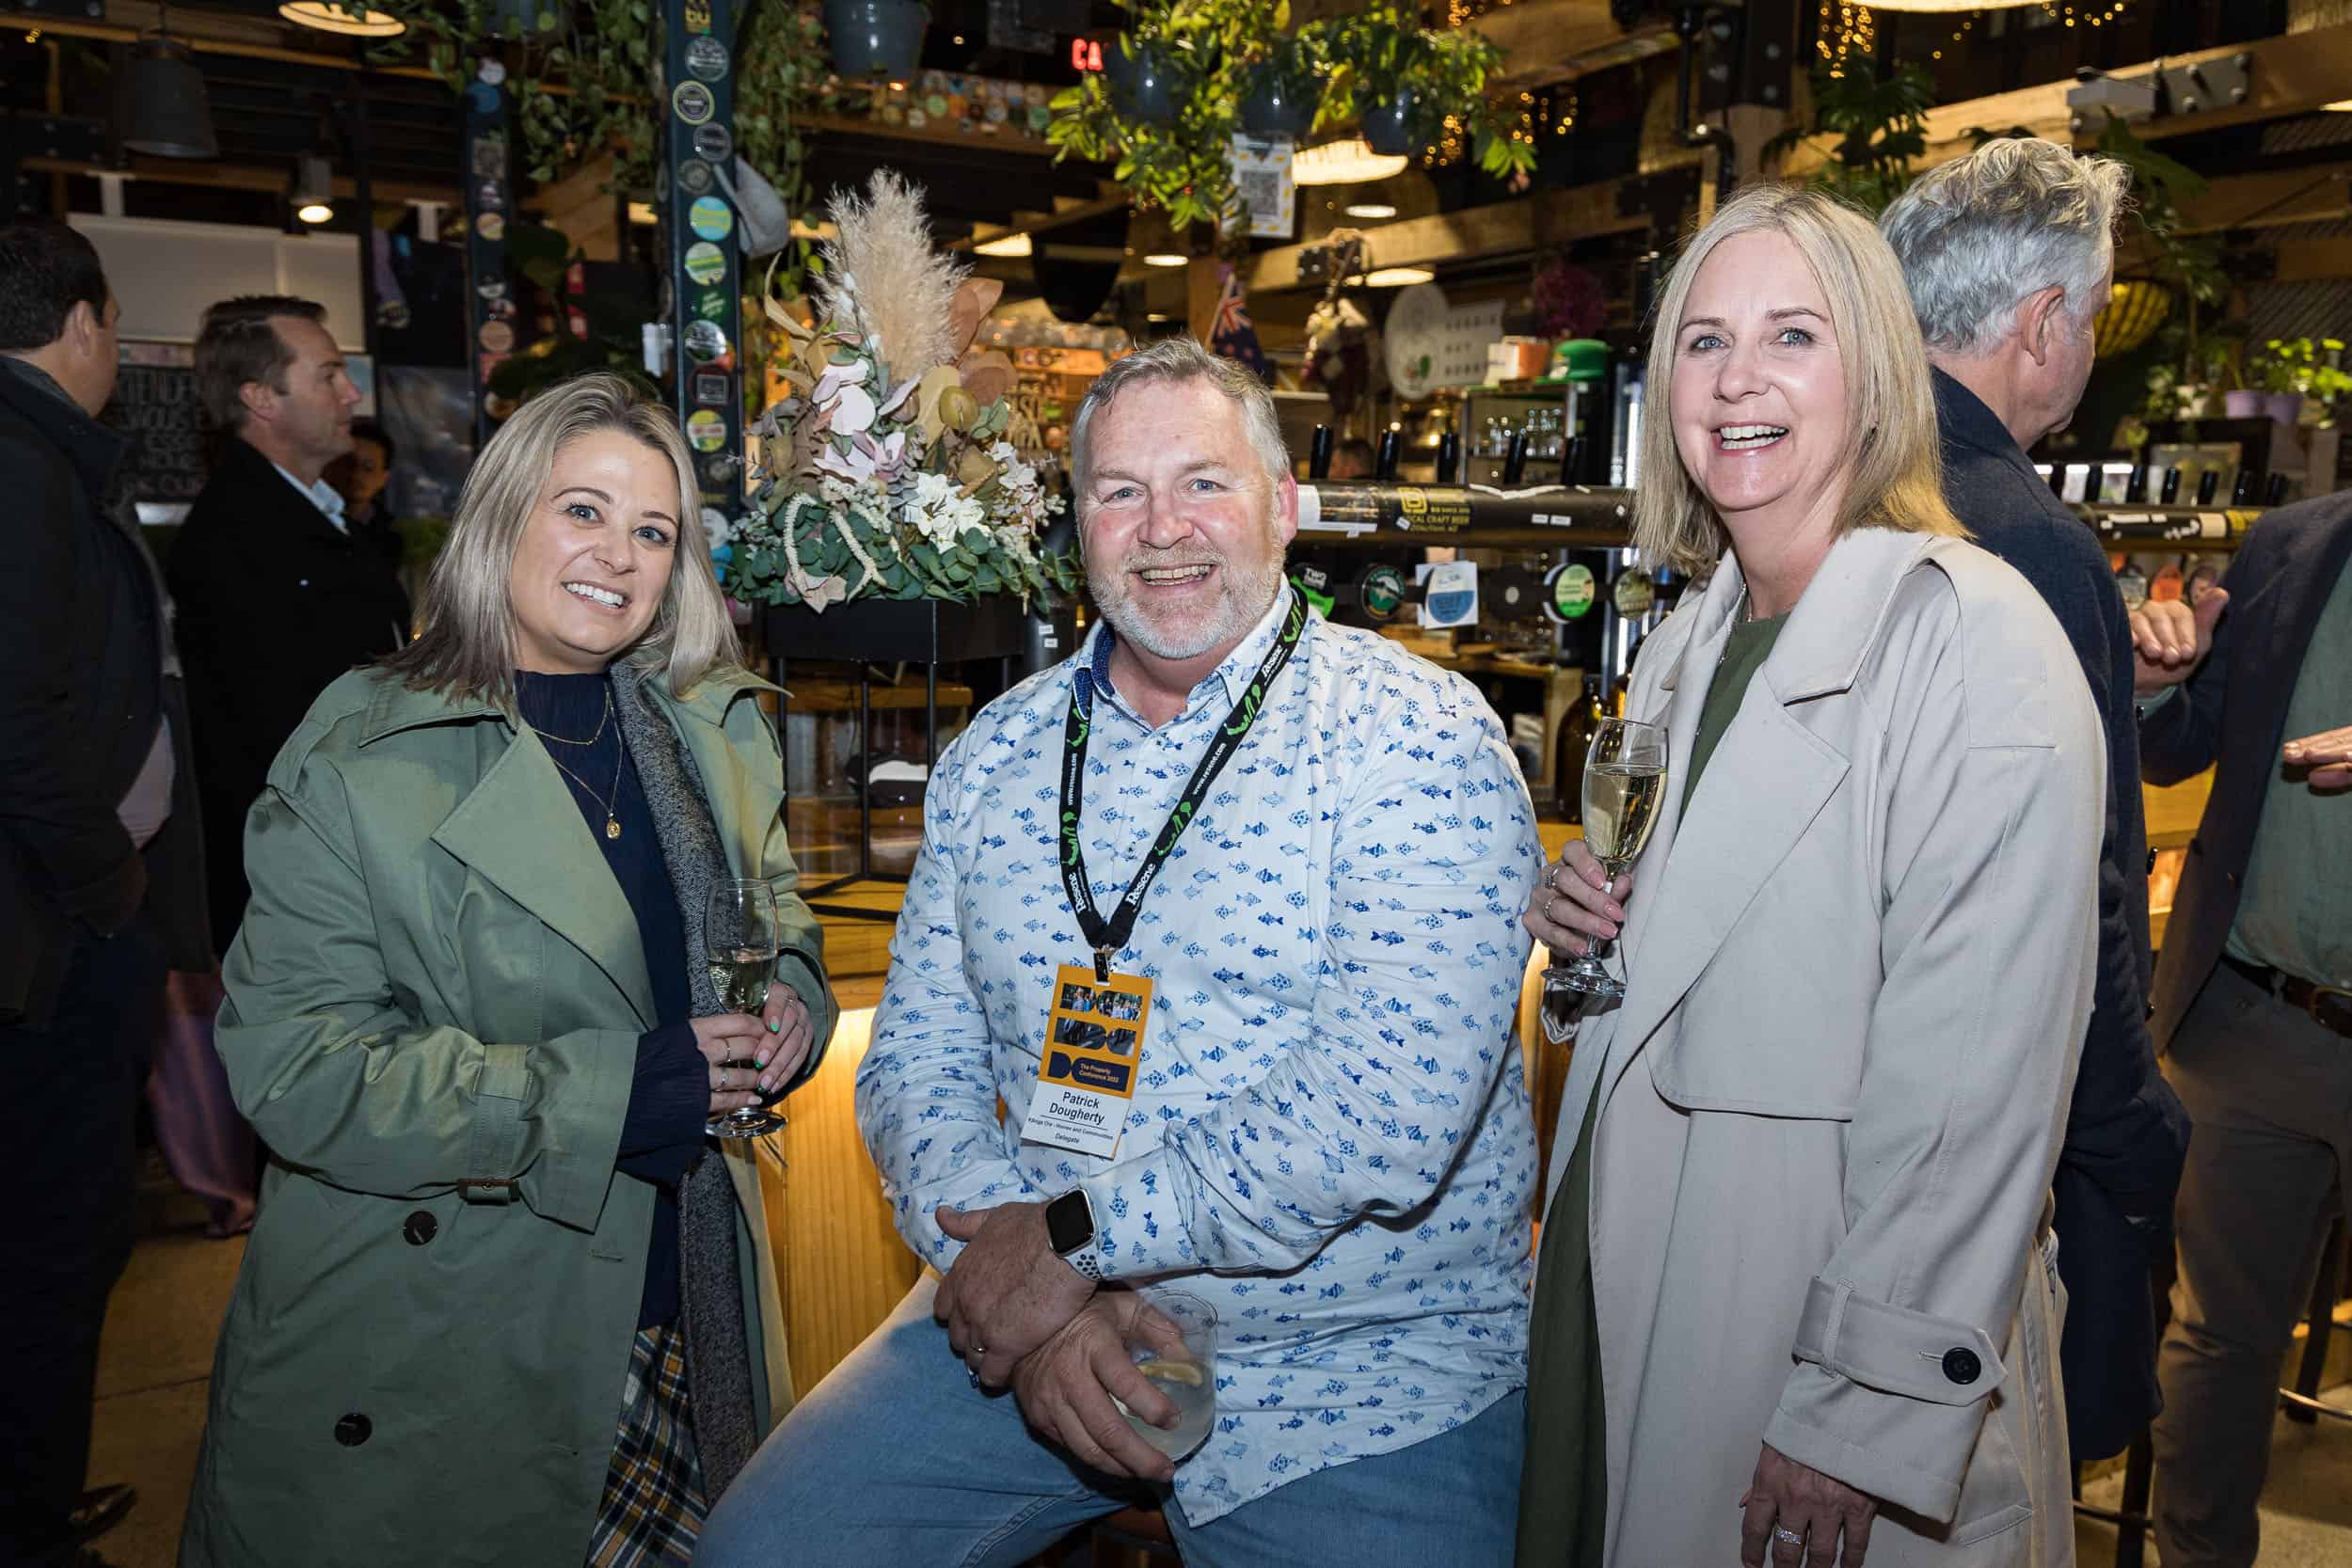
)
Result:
{"points": [[670, 1097]]}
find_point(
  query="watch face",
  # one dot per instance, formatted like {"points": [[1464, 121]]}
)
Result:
{"points": [[1069, 1221]]}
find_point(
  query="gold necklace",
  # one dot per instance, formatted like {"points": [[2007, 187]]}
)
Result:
{"points": [[601, 722], [611, 821]]}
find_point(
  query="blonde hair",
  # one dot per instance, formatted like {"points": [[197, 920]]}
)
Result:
{"points": [[466, 649], [1893, 462]]}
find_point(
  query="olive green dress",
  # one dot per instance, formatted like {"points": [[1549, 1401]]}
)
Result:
{"points": [[1564, 1487]]}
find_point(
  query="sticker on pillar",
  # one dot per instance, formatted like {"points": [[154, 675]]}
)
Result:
{"points": [[714, 142], [487, 155], [489, 196], [491, 227], [710, 388], [1570, 593], [706, 262], [698, 16], [693, 177], [705, 427], [706, 57], [710, 218], [711, 305], [490, 72], [720, 467], [1380, 594], [706, 340], [496, 337], [693, 102]]}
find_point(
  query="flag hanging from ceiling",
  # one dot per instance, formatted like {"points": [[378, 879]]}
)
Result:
{"points": [[1235, 336]]}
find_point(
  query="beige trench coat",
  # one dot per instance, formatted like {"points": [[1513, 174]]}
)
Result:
{"points": [[1832, 1095]]}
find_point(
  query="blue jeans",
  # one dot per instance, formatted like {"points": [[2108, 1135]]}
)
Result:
{"points": [[896, 1461]]}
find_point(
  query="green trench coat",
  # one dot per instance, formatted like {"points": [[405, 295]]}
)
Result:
{"points": [[432, 1018]]}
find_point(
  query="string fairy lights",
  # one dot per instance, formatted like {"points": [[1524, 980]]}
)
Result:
{"points": [[1850, 27]]}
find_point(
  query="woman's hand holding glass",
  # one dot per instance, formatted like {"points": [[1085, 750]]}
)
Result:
{"points": [[1575, 903], [776, 1043]]}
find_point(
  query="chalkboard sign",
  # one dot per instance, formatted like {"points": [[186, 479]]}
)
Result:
{"points": [[167, 464]]}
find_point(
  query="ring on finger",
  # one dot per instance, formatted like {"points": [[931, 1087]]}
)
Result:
{"points": [[1783, 1533]]}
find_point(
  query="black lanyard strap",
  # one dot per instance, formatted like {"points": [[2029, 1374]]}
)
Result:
{"points": [[1106, 937]]}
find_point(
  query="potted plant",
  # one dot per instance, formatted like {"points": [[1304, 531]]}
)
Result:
{"points": [[2294, 375], [1184, 163], [1281, 92], [885, 472], [1145, 77], [876, 38]]}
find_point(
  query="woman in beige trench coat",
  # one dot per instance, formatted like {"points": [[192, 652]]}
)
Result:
{"points": [[1820, 1123]]}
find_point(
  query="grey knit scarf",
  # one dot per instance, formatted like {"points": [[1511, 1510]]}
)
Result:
{"points": [[718, 1365]]}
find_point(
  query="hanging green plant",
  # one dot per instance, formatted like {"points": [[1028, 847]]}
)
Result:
{"points": [[1228, 64], [580, 72]]}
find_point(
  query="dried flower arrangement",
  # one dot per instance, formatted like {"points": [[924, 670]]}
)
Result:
{"points": [[886, 473]]}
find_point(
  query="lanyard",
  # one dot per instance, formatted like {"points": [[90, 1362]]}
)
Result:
{"points": [[1106, 937]]}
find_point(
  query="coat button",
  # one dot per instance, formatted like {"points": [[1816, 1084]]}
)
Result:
{"points": [[1960, 1364], [420, 1227], [353, 1430]]}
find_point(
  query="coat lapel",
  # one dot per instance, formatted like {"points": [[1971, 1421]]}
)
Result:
{"points": [[521, 833], [1769, 779], [743, 800]]}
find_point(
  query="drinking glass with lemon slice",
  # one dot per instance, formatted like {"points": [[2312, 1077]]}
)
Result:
{"points": [[1188, 1377]]}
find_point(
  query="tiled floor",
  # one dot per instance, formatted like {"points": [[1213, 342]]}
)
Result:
{"points": [[158, 1355]]}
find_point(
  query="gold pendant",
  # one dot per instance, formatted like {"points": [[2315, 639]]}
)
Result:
{"points": [[611, 827]]}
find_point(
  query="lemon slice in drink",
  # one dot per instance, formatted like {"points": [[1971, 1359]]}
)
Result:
{"points": [[1187, 1372]]}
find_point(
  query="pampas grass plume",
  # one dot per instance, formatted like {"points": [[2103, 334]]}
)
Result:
{"points": [[884, 276]]}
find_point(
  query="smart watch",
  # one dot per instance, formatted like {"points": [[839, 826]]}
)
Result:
{"points": [[1069, 1231]]}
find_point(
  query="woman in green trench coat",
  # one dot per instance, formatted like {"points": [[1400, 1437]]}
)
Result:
{"points": [[505, 1304]]}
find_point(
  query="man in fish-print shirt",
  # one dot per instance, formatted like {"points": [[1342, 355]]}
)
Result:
{"points": [[1330, 1139]]}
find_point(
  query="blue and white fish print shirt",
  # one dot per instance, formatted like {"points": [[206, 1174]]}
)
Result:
{"points": [[1331, 1140]]}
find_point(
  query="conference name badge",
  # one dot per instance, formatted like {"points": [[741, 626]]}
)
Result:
{"points": [[1087, 1070]]}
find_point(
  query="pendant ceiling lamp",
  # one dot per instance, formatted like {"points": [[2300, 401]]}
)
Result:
{"points": [[313, 190], [327, 17], [1351, 161], [172, 116]]}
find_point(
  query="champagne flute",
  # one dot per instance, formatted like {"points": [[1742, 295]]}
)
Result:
{"points": [[739, 936], [1624, 783]]}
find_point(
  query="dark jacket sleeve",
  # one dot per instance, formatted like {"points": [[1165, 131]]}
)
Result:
{"points": [[72, 841], [2125, 1128], [669, 1102], [225, 644]]}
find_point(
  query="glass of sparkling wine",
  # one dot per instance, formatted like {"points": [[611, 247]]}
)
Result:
{"points": [[739, 935], [1625, 783], [1188, 1376]]}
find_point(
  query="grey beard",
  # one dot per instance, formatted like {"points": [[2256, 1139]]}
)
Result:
{"points": [[1249, 594]]}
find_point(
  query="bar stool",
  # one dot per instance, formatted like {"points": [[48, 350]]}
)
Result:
{"points": [[2301, 1403]]}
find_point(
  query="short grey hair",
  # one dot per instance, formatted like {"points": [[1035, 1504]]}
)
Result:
{"points": [[1980, 235], [1184, 359]]}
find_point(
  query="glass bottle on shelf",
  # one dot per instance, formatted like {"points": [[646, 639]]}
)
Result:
{"points": [[1576, 737]]}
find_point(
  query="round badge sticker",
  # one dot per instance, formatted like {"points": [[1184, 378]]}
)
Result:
{"points": [[1633, 593], [706, 262], [710, 217], [1381, 594], [693, 102], [491, 227], [714, 142], [1571, 594], [706, 57], [706, 428], [704, 341], [496, 337], [492, 71], [693, 177]]}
